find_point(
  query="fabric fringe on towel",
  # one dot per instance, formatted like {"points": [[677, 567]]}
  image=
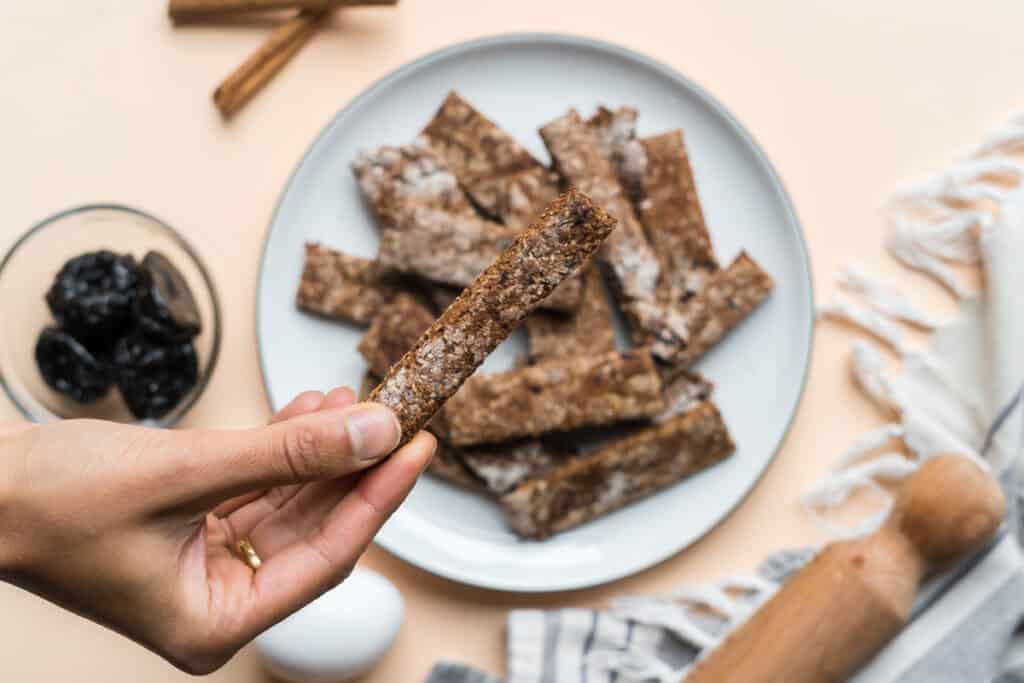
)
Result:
{"points": [[938, 405]]}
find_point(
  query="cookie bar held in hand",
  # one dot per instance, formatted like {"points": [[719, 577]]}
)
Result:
{"points": [[557, 244]]}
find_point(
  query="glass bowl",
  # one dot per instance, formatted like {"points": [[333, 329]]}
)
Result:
{"points": [[27, 272]]}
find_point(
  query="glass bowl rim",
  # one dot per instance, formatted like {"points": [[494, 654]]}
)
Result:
{"points": [[204, 379]]}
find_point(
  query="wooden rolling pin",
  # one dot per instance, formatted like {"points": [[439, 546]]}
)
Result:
{"points": [[841, 609]]}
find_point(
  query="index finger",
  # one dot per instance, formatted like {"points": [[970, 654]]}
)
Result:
{"points": [[306, 402]]}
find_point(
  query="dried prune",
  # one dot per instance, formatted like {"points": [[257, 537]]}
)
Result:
{"points": [[70, 368], [165, 308], [154, 376], [93, 297]]}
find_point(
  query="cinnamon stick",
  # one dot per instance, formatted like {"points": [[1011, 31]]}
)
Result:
{"points": [[282, 44], [193, 10]]}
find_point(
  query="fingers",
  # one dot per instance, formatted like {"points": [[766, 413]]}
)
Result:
{"points": [[321, 445], [286, 513], [306, 402], [300, 516], [310, 401], [303, 570], [342, 397]]}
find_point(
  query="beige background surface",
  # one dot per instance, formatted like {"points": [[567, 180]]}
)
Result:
{"points": [[103, 100]]}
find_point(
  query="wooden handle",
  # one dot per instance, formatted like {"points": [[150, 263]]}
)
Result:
{"points": [[194, 10], [855, 596]]}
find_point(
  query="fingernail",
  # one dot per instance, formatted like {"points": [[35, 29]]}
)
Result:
{"points": [[373, 431]]}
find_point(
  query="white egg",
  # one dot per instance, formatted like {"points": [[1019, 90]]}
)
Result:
{"points": [[337, 637]]}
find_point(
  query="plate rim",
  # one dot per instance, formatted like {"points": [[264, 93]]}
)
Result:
{"points": [[707, 99]]}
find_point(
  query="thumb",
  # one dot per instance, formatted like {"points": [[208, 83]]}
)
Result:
{"points": [[322, 445]]}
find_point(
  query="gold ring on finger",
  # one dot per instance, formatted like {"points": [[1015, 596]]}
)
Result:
{"points": [[247, 553]]}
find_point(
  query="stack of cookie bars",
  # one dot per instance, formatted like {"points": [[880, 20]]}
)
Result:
{"points": [[448, 204]]}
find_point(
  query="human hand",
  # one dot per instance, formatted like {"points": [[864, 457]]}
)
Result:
{"points": [[135, 528]]}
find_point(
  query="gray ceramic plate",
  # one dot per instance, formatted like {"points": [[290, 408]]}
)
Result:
{"points": [[522, 81]]}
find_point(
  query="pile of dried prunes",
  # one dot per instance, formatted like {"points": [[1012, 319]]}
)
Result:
{"points": [[125, 323]]}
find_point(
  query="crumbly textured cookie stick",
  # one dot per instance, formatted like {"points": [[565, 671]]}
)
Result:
{"points": [[504, 180], [502, 467], [589, 331], [559, 242], [393, 332], [449, 466], [632, 264], [414, 172], [619, 473], [338, 285], [729, 296], [615, 131], [554, 396], [682, 391], [438, 245], [452, 249], [410, 174], [656, 172]]}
